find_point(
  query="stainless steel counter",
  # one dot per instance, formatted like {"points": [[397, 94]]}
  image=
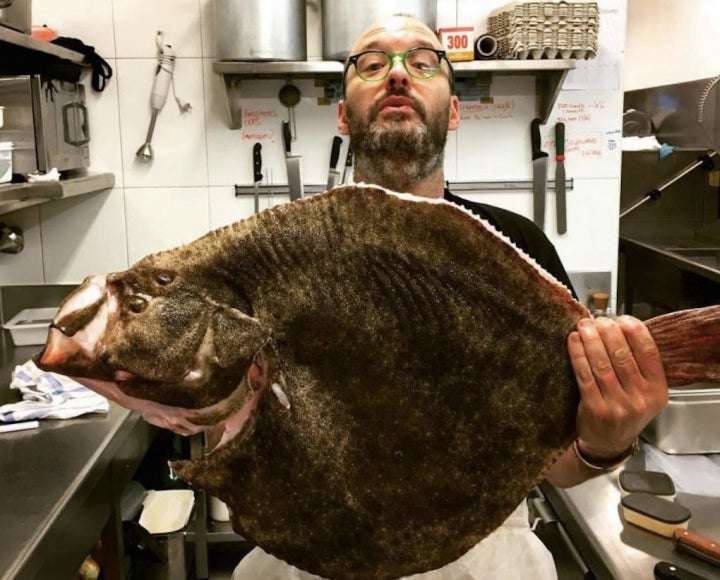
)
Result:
{"points": [[60, 487], [616, 550], [694, 255]]}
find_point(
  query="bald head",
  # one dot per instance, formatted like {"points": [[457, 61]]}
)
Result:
{"points": [[394, 25]]}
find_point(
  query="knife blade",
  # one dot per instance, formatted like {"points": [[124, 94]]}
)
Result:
{"points": [[257, 174], [348, 164], [333, 173], [560, 196], [539, 160], [293, 163]]}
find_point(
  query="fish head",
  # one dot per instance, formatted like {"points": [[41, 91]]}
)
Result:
{"points": [[156, 332]]}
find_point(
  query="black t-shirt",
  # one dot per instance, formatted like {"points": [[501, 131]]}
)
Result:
{"points": [[522, 232]]}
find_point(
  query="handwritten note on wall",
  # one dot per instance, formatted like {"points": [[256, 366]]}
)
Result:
{"points": [[593, 131], [498, 110], [260, 123], [498, 135]]}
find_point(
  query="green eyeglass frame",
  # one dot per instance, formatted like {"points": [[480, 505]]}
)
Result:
{"points": [[392, 56]]}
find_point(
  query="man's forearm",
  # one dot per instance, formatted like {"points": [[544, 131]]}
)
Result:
{"points": [[568, 470], [576, 465]]}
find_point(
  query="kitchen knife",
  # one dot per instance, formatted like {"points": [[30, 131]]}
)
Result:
{"points": [[697, 545], [670, 571], [257, 173], [333, 173], [560, 198], [348, 164], [293, 163], [540, 160], [669, 519]]}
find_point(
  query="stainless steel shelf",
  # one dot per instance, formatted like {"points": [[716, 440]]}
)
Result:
{"points": [[320, 68], [278, 69], [21, 54], [14, 196], [549, 76]]}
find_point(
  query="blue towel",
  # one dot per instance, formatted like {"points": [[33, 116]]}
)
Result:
{"points": [[49, 396]]}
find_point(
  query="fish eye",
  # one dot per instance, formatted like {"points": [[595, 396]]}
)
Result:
{"points": [[137, 304], [164, 277]]}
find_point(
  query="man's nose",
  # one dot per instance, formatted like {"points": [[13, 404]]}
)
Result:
{"points": [[398, 73]]}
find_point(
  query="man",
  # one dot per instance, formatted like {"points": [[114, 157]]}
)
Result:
{"points": [[397, 110]]}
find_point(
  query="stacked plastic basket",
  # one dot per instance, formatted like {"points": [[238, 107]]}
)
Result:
{"points": [[545, 29]]}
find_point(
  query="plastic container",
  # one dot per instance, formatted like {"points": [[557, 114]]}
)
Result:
{"points": [[30, 326], [219, 510], [6, 148], [165, 514]]}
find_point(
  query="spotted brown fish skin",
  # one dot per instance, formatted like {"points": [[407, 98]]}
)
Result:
{"points": [[424, 363]]}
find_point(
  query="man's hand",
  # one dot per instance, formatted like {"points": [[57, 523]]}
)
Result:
{"points": [[622, 387], [175, 419]]}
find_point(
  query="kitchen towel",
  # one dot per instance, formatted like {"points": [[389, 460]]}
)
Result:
{"points": [[49, 396]]}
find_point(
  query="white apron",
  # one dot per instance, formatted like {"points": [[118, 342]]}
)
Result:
{"points": [[512, 552]]}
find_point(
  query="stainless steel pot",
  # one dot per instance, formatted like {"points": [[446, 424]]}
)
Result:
{"points": [[343, 20], [260, 30]]}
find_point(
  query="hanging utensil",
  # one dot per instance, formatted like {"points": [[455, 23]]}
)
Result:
{"points": [[257, 174], [560, 197], [289, 96], [347, 170], [539, 161], [293, 163], [158, 97], [333, 172]]}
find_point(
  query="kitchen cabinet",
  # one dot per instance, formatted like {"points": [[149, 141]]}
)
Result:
{"points": [[549, 76]]}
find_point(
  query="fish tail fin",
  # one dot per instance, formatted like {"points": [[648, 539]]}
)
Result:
{"points": [[689, 344]]}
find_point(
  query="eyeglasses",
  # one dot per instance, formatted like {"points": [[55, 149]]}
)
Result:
{"points": [[420, 63]]}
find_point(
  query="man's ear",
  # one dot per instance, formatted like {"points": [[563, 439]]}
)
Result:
{"points": [[342, 119], [454, 117]]}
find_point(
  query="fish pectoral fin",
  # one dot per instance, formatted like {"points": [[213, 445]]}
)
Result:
{"points": [[235, 336]]}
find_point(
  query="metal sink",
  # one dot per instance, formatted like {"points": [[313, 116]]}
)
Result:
{"points": [[708, 257]]}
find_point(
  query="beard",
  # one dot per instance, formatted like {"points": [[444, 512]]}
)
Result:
{"points": [[397, 153]]}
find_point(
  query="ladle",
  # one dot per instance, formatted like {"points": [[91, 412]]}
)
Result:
{"points": [[289, 96]]}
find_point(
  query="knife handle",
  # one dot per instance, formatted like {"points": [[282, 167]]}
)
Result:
{"points": [[697, 545], [335, 152], [560, 141], [257, 163], [286, 137], [349, 157], [670, 571], [535, 139]]}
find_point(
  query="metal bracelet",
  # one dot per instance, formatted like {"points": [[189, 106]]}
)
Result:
{"points": [[612, 463]]}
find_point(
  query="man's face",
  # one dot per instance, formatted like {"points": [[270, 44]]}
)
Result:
{"points": [[400, 116]]}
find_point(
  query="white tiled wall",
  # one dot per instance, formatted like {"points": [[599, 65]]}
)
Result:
{"points": [[188, 188]]}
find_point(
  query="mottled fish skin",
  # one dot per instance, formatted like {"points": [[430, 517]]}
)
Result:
{"points": [[422, 361]]}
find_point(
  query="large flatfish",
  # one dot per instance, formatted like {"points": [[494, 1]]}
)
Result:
{"points": [[387, 376]]}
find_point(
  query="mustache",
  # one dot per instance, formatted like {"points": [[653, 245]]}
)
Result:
{"points": [[397, 92]]}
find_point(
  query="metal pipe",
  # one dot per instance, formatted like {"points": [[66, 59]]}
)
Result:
{"points": [[705, 161]]}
